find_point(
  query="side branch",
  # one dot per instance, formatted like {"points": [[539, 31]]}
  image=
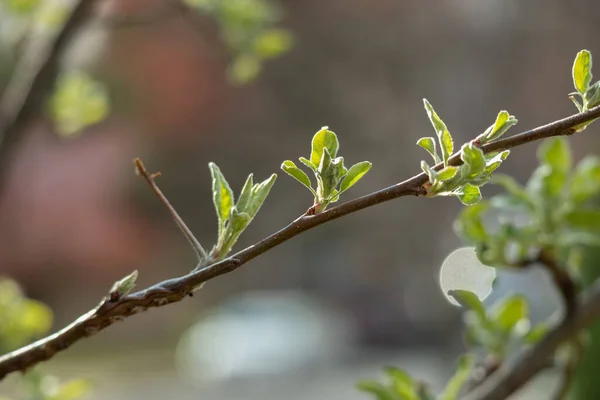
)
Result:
{"points": [[174, 290]]}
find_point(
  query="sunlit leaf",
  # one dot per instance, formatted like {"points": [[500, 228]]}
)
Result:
{"points": [[444, 137], [468, 194], [428, 143], [463, 371], [222, 195], [291, 169], [510, 311], [355, 173], [324, 138], [582, 71], [503, 123], [585, 183]]}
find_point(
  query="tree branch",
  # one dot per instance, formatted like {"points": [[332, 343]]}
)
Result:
{"points": [[36, 72], [511, 377], [173, 290]]}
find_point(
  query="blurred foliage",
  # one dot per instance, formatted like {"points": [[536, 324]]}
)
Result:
{"points": [[249, 30], [553, 214], [21, 321], [77, 102]]}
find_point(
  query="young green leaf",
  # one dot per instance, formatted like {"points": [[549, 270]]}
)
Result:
{"points": [[510, 311], [332, 176], [536, 333], [260, 191], [493, 162], [402, 383], [246, 194], [503, 123], [474, 159], [469, 224], [428, 143], [582, 71], [556, 153], [431, 173], [290, 168], [468, 194], [579, 106], [468, 300], [323, 139], [124, 285], [443, 134], [592, 96], [463, 371], [585, 183], [222, 195], [325, 162], [355, 173], [380, 391], [308, 164], [513, 187], [447, 173]]}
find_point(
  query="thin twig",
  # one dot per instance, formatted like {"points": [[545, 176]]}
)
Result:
{"points": [[174, 290], [149, 178]]}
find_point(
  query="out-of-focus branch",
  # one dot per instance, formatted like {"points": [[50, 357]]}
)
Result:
{"points": [[510, 378], [36, 71], [112, 309]]}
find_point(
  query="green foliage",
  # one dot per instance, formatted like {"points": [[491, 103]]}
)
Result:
{"points": [[462, 181], [20, 7], [233, 218], [550, 212], [78, 102], [23, 320], [125, 285], [332, 177], [589, 95], [249, 30]]}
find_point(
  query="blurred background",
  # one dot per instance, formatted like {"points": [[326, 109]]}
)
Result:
{"points": [[332, 306]]}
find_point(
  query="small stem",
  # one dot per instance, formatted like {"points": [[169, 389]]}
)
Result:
{"points": [[200, 252]]}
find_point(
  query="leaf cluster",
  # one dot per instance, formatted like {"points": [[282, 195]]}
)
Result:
{"points": [[332, 177], [462, 181]]}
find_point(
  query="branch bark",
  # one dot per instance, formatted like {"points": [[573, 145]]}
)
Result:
{"points": [[111, 309]]}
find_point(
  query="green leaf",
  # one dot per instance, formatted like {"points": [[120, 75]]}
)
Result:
{"points": [[325, 162], [323, 139], [125, 285], [447, 173], [463, 371], [468, 194], [375, 388], [222, 195], [585, 183], [246, 194], [474, 159], [516, 190], [556, 153], [290, 168], [355, 173], [428, 143], [492, 163], [585, 219], [272, 43], [78, 102], [469, 224], [444, 137], [582, 71], [403, 383], [510, 311], [308, 164], [503, 123], [469, 300], [431, 173], [592, 96], [579, 106], [332, 177], [260, 191]]}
